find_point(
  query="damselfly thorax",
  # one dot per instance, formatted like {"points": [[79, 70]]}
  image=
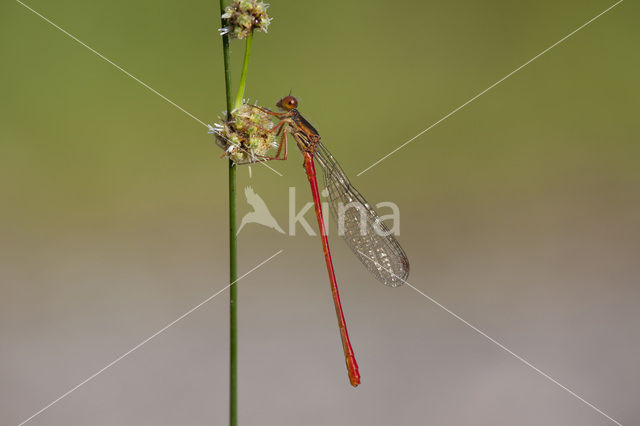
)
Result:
{"points": [[303, 132]]}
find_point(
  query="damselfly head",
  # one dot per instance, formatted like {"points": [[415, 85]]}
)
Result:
{"points": [[287, 103]]}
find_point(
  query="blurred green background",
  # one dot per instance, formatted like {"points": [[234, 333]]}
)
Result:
{"points": [[519, 212]]}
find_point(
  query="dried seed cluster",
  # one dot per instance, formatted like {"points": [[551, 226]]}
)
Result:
{"points": [[247, 137], [243, 16]]}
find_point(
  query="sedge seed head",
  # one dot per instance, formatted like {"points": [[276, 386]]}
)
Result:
{"points": [[243, 16], [247, 137]]}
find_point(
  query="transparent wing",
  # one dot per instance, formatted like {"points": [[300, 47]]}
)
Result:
{"points": [[366, 235]]}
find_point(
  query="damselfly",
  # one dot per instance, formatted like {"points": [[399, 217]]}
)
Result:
{"points": [[364, 232]]}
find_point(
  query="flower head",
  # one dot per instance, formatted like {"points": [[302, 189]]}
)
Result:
{"points": [[243, 16], [247, 137]]}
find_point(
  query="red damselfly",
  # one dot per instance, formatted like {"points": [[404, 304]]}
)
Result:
{"points": [[364, 232]]}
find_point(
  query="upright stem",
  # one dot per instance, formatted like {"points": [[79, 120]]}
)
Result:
{"points": [[233, 300], [233, 249], [245, 66], [227, 65], [233, 241]]}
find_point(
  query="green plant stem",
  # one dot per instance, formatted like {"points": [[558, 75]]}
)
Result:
{"points": [[245, 66], [233, 249], [233, 241], [233, 300]]}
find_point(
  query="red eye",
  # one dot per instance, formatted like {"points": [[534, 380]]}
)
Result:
{"points": [[287, 103]]}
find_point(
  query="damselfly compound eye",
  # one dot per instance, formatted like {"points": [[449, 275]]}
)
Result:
{"points": [[287, 103]]}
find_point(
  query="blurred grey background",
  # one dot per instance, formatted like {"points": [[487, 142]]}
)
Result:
{"points": [[519, 213]]}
